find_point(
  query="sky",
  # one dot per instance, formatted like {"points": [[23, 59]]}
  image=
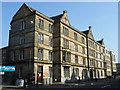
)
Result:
{"points": [[102, 16]]}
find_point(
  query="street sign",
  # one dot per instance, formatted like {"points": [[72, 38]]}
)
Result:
{"points": [[7, 68]]}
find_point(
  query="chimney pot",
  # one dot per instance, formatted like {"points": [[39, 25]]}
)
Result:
{"points": [[64, 11], [90, 27]]}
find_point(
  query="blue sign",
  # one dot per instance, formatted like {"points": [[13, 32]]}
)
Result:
{"points": [[0, 68], [7, 68]]}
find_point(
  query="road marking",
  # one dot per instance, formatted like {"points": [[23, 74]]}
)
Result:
{"points": [[105, 86]]}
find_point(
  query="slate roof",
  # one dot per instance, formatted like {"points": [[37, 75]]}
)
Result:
{"points": [[57, 18], [31, 9], [100, 41], [86, 32]]}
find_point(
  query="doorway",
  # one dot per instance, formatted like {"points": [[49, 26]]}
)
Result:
{"points": [[91, 74], [40, 74]]}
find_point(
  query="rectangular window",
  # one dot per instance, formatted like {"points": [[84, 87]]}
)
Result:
{"points": [[50, 72], [76, 72], [22, 39], [76, 59], [41, 24], [100, 64], [66, 72], [99, 48], [95, 46], [65, 31], [40, 38], [93, 53], [50, 41], [65, 43], [23, 25], [84, 61], [76, 47], [40, 54], [91, 62], [50, 55], [21, 54], [101, 73], [13, 55], [97, 64], [40, 69], [66, 56], [96, 55], [83, 40], [83, 50], [75, 36], [50, 28]]}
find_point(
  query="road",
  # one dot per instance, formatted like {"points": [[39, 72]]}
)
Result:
{"points": [[113, 83]]}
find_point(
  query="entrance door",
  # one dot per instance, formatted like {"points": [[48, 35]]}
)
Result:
{"points": [[40, 74], [91, 74], [98, 75], [84, 74]]}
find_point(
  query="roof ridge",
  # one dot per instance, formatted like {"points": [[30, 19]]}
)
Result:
{"points": [[56, 15]]}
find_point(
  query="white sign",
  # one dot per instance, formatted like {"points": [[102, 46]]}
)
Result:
{"points": [[2, 73], [35, 57]]}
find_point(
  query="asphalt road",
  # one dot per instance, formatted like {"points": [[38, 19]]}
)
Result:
{"points": [[113, 83]]}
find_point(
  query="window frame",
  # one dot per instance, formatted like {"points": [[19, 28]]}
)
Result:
{"points": [[75, 36], [40, 38], [66, 72], [41, 23], [76, 59], [65, 43], [41, 54], [22, 25], [65, 31], [83, 40]]}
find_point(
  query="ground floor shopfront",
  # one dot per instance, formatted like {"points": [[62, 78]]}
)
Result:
{"points": [[46, 72]]}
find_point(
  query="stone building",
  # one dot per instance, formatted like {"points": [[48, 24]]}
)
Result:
{"points": [[118, 68], [95, 55], [113, 63], [108, 62], [51, 48]]}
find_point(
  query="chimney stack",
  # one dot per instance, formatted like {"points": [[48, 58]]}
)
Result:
{"points": [[89, 27]]}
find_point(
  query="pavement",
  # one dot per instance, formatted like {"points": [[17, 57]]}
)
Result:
{"points": [[110, 83]]}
